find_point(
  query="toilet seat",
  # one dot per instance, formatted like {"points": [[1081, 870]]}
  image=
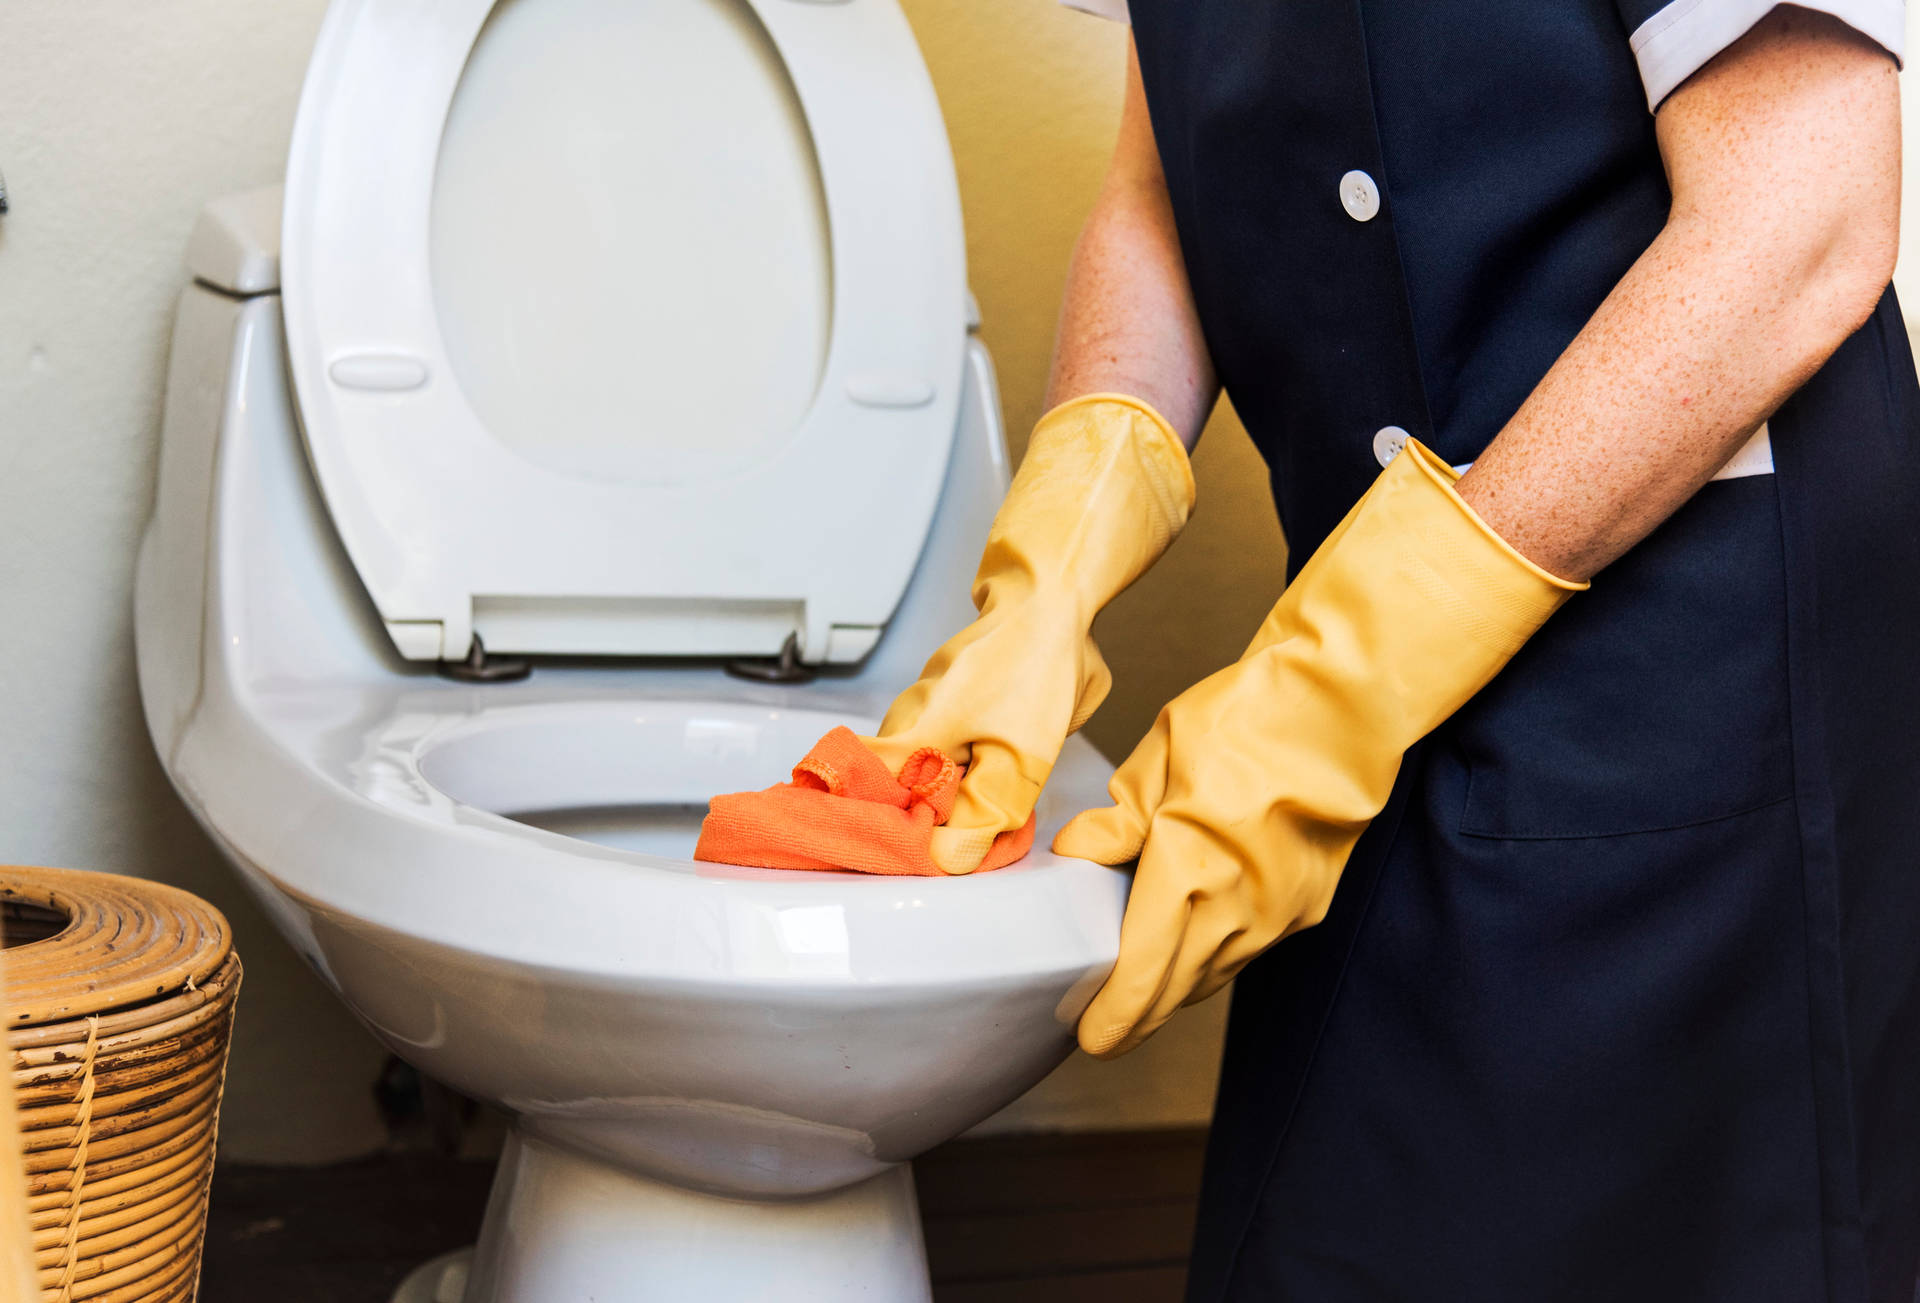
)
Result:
{"points": [[453, 532]]}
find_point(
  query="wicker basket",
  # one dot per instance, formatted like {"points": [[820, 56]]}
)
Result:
{"points": [[119, 1001]]}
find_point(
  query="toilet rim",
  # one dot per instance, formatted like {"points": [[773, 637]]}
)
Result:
{"points": [[570, 769], [336, 844]]}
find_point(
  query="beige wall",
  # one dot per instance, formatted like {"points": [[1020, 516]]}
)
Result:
{"points": [[117, 119], [1031, 93]]}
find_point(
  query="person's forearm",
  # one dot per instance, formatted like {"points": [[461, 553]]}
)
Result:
{"points": [[1780, 243], [1127, 320]]}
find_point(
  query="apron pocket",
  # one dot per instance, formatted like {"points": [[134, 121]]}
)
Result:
{"points": [[1658, 699]]}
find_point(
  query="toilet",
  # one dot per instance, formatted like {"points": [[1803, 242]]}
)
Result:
{"points": [[592, 421]]}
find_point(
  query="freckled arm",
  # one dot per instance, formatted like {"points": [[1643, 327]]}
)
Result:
{"points": [[1127, 322], [1784, 159]]}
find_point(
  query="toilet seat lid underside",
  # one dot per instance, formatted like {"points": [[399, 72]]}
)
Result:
{"points": [[792, 298]]}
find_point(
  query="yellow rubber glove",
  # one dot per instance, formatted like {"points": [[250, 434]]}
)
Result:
{"points": [[1246, 798], [1104, 488]]}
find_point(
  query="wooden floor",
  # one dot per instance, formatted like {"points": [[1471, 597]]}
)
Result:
{"points": [[1064, 1219]]}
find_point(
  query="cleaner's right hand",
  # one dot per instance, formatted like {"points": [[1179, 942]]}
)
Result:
{"points": [[1104, 488]]}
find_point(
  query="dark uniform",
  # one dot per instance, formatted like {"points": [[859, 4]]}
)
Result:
{"points": [[1619, 998]]}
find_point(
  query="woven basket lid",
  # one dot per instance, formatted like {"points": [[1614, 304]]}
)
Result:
{"points": [[125, 942]]}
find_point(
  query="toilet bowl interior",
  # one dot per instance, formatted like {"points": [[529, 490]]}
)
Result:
{"points": [[631, 774]]}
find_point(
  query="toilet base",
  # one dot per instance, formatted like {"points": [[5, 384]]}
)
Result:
{"points": [[439, 1280], [562, 1228]]}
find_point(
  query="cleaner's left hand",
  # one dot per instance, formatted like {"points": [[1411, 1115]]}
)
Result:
{"points": [[1248, 795]]}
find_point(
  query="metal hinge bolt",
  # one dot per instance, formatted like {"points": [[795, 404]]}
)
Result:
{"points": [[785, 669], [479, 667]]}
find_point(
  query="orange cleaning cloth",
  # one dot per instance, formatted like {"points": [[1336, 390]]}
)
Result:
{"points": [[845, 810]]}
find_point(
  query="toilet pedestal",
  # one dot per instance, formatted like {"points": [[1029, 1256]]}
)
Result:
{"points": [[561, 1228]]}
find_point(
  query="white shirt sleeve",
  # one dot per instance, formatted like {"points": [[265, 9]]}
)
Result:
{"points": [[1114, 9], [1678, 38]]}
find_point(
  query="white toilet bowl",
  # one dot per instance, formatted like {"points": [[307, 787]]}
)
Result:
{"points": [[749, 1032], [715, 1074], [664, 1031]]}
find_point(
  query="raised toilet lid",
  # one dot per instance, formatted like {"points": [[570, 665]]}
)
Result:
{"points": [[628, 327]]}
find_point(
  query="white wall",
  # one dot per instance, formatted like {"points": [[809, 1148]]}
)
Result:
{"points": [[117, 119]]}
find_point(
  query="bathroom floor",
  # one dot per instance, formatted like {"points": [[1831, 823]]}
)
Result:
{"points": [[1065, 1219]]}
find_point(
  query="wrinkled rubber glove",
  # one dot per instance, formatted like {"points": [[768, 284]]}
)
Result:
{"points": [[1104, 489], [1246, 798]]}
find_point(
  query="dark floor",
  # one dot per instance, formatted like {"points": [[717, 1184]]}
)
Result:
{"points": [[1066, 1219]]}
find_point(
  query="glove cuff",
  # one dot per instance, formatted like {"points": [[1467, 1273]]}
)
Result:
{"points": [[1159, 446], [1435, 468]]}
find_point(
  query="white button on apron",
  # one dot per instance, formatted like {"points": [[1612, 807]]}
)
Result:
{"points": [[1388, 443], [1359, 196]]}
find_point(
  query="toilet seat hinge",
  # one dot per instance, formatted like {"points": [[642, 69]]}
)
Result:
{"points": [[478, 667], [784, 669]]}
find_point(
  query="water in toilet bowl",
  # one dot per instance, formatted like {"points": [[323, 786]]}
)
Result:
{"points": [[634, 775], [669, 828]]}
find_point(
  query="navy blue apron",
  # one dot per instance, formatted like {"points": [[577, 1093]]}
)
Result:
{"points": [[1619, 999]]}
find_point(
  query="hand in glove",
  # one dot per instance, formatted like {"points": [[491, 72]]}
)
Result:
{"points": [[1246, 798], [1104, 488]]}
